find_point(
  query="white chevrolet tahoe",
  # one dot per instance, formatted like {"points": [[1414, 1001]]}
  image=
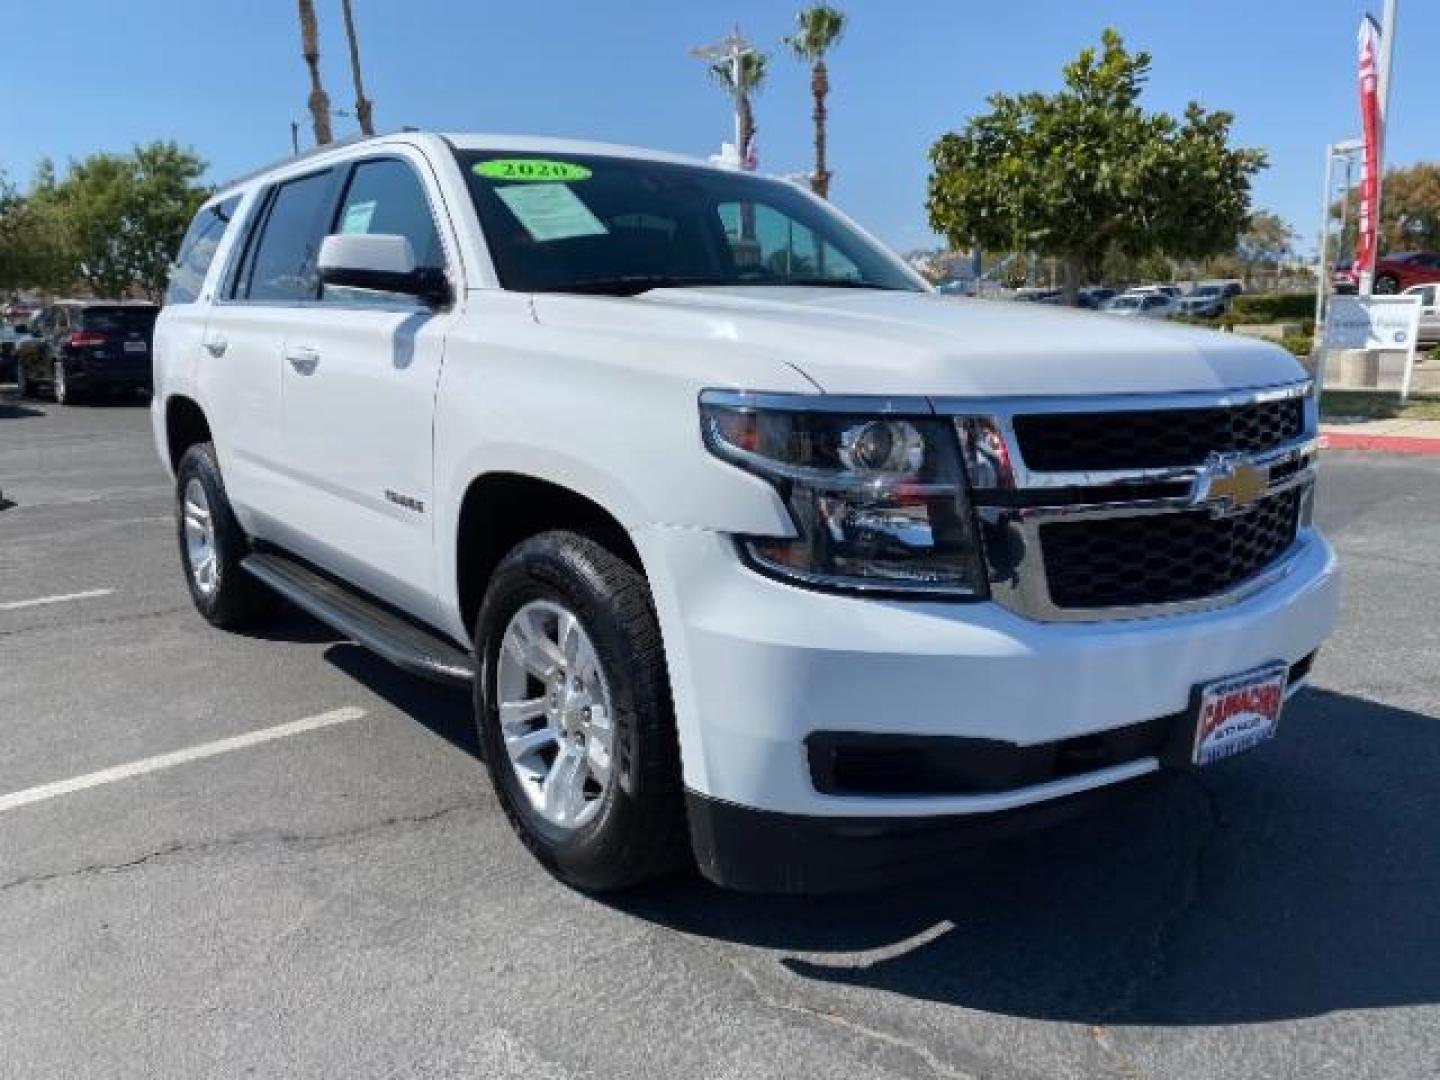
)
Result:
{"points": [[756, 551]]}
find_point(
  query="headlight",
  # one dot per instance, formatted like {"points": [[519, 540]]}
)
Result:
{"points": [[878, 499]]}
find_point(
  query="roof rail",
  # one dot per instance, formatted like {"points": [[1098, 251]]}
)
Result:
{"points": [[314, 151]]}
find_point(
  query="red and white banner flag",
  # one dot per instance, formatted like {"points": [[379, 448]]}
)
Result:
{"points": [[1368, 224]]}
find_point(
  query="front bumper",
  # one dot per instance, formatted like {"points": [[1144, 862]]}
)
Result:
{"points": [[758, 666]]}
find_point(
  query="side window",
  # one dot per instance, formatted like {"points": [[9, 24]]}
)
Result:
{"points": [[386, 197], [281, 264], [197, 251], [765, 243]]}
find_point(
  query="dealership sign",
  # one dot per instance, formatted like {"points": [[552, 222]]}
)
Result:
{"points": [[1382, 323]]}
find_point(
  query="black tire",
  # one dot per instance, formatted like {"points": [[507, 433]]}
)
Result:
{"points": [[1387, 285], [236, 598], [23, 389], [639, 833]]}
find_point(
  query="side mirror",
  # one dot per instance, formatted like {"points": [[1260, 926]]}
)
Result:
{"points": [[381, 262]]}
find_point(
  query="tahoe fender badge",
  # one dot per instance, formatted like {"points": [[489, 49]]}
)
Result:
{"points": [[405, 501]]}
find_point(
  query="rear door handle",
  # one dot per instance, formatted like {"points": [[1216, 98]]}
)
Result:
{"points": [[303, 359], [216, 345]]}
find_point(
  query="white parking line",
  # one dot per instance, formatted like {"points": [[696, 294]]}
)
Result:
{"points": [[63, 598], [177, 757]]}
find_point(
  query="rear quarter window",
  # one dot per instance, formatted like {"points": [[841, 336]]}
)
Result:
{"points": [[197, 251]]}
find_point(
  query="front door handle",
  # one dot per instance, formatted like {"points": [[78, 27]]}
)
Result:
{"points": [[303, 359], [216, 345]]}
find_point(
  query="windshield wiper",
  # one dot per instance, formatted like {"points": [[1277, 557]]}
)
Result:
{"points": [[634, 284]]}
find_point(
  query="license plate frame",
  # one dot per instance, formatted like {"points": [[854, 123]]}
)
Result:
{"points": [[1238, 713]]}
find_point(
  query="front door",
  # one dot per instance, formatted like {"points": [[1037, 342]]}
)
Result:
{"points": [[359, 380]]}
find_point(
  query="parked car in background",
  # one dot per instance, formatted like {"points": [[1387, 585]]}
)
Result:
{"points": [[1096, 296], [1207, 301], [1143, 305], [957, 287], [1396, 273], [1429, 333], [1231, 287], [11, 335], [1343, 278], [81, 348], [1038, 295]]}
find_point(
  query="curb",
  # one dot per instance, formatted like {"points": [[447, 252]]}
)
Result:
{"points": [[1390, 444]]}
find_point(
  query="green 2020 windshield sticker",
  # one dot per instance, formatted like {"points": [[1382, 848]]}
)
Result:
{"points": [[531, 169]]}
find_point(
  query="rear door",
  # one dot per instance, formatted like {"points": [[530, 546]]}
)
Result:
{"points": [[360, 375], [178, 347], [272, 282]]}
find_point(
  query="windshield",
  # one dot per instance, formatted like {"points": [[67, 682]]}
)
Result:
{"points": [[1124, 303], [586, 223], [1208, 290]]}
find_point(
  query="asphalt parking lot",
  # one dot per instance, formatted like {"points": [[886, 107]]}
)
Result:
{"points": [[342, 897]]}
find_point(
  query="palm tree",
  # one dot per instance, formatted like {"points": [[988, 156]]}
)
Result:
{"points": [[752, 77], [310, 50], [362, 103], [820, 28]]}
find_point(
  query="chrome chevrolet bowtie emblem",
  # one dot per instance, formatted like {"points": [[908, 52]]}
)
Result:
{"points": [[1226, 484]]}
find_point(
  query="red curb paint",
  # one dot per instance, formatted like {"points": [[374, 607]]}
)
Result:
{"points": [[1390, 444]]}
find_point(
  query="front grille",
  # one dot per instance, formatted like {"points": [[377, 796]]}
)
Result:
{"points": [[1164, 558], [1161, 438]]}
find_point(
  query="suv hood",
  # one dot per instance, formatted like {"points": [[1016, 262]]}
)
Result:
{"points": [[850, 341]]}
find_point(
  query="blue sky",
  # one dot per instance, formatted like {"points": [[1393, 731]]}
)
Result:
{"points": [[226, 78]]}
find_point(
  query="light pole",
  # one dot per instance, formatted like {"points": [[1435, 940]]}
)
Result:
{"points": [[734, 48], [1344, 151]]}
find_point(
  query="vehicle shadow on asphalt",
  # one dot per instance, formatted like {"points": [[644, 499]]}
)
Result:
{"points": [[444, 710], [1298, 880], [15, 409]]}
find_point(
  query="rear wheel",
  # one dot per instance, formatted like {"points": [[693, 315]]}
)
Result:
{"points": [[1387, 284], [574, 714], [212, 545], [22, 383]]}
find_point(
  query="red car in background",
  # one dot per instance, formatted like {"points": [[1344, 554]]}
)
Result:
{"points": [[1396, 273]]}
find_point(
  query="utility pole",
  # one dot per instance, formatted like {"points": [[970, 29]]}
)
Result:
{"points": [[732, 48]]}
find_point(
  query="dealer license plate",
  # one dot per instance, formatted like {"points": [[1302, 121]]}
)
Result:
{"points": [[1239, 713]]}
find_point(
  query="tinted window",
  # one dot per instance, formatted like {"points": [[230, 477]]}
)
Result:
{"points": [[115, 320], [282, 264], [623, 225], [387, 197], [197, 251], [769, 244]]}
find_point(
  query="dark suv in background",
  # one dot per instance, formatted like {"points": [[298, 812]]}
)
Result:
{"points": [[81, 348]]}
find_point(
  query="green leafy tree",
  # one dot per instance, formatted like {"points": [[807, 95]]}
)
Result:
{"points": [[124, 215], [820, 28], [1085, 171], [1409, 210], [35, 247]]}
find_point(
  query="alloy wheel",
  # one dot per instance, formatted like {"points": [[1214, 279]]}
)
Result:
{"points": [[200, 539], [556, 715]]}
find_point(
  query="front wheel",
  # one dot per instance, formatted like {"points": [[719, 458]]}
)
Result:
{"points": [[574, 714], [1387, 285]]}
